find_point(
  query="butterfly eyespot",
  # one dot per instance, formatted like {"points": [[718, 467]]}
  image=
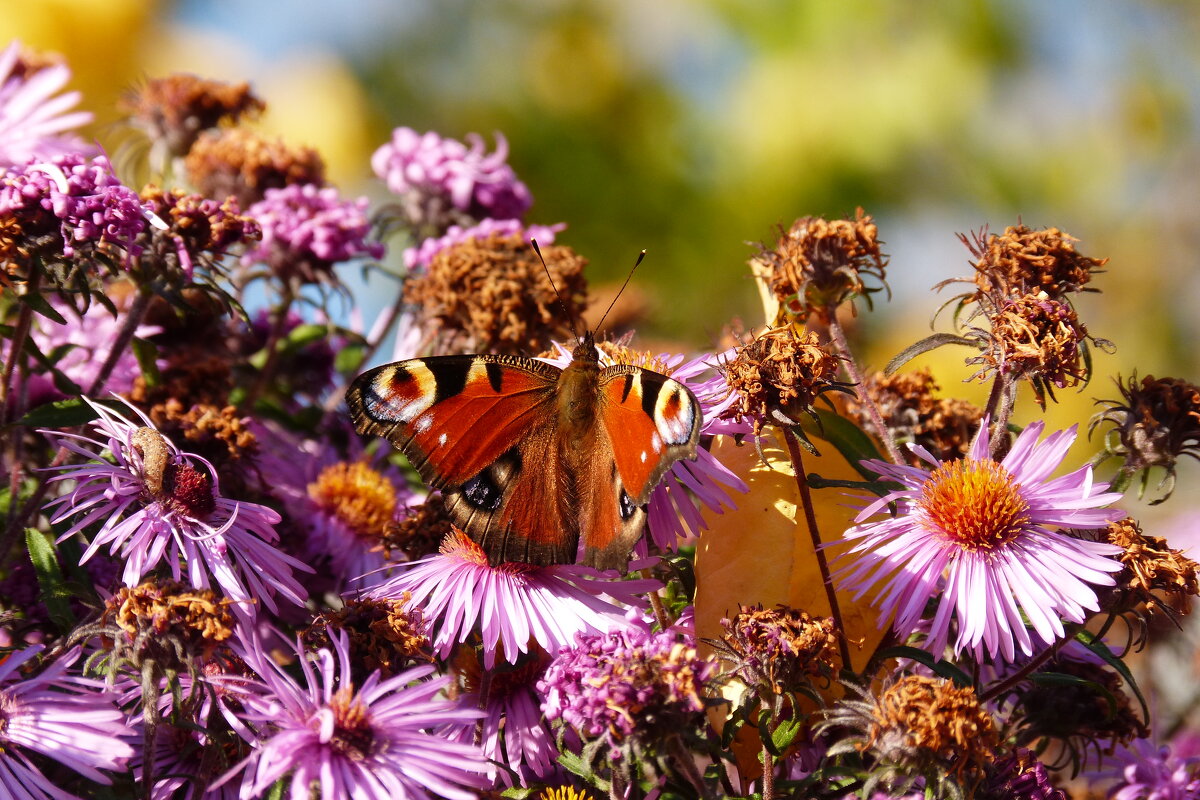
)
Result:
{"points": [[482, 492], [628, 509]]}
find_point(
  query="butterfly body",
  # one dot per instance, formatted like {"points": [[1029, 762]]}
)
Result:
{"points": [[533, 459]]}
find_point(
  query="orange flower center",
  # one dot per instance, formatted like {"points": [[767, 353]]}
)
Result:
{"points": [[361, 497], [974, 503]]}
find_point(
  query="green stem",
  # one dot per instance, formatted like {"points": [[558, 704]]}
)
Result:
{"points": [[768, 780], [133, 318], [842, 345], [1024, 672], [271, 366], [810, 518]]}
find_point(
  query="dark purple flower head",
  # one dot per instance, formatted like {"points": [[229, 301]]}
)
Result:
{"points": [[1147, 772], [34, 121], [306, 229], [90, 206], [627, 685], [70, 719], [433, 174], [375, 741]]}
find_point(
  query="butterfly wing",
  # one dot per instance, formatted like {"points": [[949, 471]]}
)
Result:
{"points": [[646, 422], [470, 425]]}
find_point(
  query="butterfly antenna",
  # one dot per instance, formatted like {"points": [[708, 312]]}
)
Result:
{"points": [[566, 311], [641, 255]]}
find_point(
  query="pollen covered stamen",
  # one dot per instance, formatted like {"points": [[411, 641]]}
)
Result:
{"points": [[975, 503], [352, 733], [361, 497]]}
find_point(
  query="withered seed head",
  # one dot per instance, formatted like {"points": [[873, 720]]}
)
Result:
{"points": [[818, 264], [913, 412], [1151, 567], [1023, 261], [779, 650], [167, 621], [493, 293], [245, 164], [1155, 423], [384, 635], [420, 533], [1039, 340], [176, 109], [779, 375]]}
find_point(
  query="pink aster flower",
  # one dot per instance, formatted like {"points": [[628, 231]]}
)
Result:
{"points": [[459, 592], [672, 515], [423, 254], [35, 121], [306, 229], [989, 538], [70, 719], [431, 173], [1147, 772], [157, 505], [370, 742]]}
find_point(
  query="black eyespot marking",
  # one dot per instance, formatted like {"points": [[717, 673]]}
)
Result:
{"points": [[627, 507], [494, 375], [482, 492], [451, 378]]}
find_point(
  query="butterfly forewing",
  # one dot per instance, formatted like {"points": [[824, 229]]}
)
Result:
{"points": [[453, 416]]}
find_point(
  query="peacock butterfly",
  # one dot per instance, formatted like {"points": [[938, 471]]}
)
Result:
{"points": [[532, 458]]}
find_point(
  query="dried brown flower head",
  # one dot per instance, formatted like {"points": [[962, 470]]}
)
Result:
{"points": [[818, 264], [1039, 340], [913, 412], [168, 622], [1151, 568], [200, 231], [421, 532], [779, 376], [777, 650], [1022, 261], [1155, 423], [174, 110], [388, 635], [494, 295], [192, 376], [243, 164], [917, 727]]}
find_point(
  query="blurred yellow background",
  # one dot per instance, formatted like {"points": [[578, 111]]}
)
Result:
{"points": [[692, 127]]}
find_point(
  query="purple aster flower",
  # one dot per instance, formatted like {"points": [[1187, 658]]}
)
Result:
{"points": [[433, 175], [154, 505], [458, 591], [306, 229], [89, 204], [34, 122], [87, 339], [629, 685], [423, 254], [671, 514], [514, 734], [70, 719], [987, 536], [372, 742], [1146, 772]]}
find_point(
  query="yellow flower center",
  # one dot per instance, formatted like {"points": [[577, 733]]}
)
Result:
{"points": [[361, 497], [974, 503]]}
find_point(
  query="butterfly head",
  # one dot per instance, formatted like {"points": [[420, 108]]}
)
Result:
{"points": [[585, 348]]}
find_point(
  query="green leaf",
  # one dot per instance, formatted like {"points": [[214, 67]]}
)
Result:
{"points": [[850, 440], [874, 487], [41, 305], [1063, 679], [55, 594], [926, 345], [304, 335], [941, 668], [67, 413], [785, 734], [349, 359], [147, 357], [1097, 646]]}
